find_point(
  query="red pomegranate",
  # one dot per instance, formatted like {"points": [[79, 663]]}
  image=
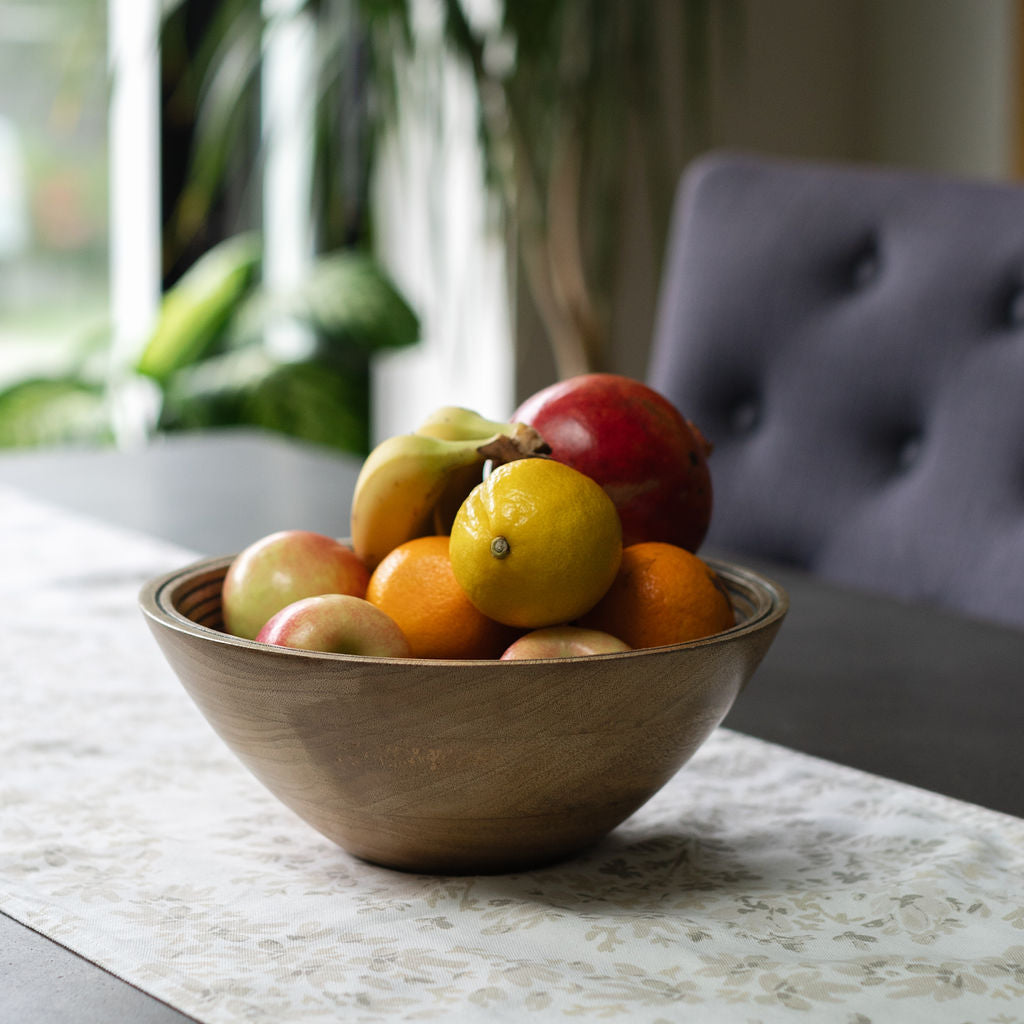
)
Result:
{"points": [[650, 460]]}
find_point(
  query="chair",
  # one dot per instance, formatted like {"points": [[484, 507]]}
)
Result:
{"points": [[851, 340]]}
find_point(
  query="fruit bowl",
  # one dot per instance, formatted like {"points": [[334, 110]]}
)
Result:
{"points": [[456, 767]]}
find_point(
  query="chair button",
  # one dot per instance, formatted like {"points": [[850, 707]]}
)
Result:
{"points": [[745, 416], [905, 448], [1015, 308], [909, 451], [866, 266]]}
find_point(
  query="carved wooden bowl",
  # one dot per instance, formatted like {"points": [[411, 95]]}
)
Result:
{"points": [[459, 766]]}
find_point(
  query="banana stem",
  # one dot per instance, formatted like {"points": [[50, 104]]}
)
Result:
{"points": [[522, 443]]}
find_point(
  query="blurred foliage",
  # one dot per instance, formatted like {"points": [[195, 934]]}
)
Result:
{"points": [[574, 96], [210, 356], [210, 360], [45, 410], [212, 57], [571, 101], [196, 312], [577, 96]]}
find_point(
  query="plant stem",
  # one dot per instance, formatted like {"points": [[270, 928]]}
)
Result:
{"points": [[546, 219]]}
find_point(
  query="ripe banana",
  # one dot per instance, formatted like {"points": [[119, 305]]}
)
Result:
{"points": [[456, 490], [413, 484], [400, 483], [454, 423]]}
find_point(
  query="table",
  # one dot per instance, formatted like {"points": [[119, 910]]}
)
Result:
{"points": [[901, 691], [210, 492]]}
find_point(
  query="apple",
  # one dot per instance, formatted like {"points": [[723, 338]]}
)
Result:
{"points": [[563, 642], [651, 461], [284, 567], [338, 623]]}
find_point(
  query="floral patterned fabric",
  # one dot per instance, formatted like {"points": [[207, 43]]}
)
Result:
{"points": [[760, 885]]}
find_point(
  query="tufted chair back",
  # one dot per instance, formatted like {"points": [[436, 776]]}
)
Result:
{"points": [[851, 339]]}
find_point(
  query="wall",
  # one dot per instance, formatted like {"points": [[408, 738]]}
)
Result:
{"points": [[929, 84], [943, 77]]}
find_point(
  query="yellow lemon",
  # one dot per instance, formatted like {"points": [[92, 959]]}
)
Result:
{"points": [[536, 544]]}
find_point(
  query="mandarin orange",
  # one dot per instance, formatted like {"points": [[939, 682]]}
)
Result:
{"points": [[415, 585], [662, 594]]}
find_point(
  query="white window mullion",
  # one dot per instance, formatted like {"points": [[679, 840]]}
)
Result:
{"points": [[134, 202], [440, 238], [288, 112]]}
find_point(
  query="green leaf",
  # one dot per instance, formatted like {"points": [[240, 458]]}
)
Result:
{"points": [[211, 393], [197, 310], [314, 402], [53, 411], [211, 79], [348, 299], [309, 400]]}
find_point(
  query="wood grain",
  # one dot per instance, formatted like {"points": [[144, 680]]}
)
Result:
{"points": [[459, 767]]}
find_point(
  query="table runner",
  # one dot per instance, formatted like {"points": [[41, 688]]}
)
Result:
{"points": [[759, 885]]}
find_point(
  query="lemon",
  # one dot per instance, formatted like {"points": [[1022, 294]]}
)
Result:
{"points": [[536, 544]]}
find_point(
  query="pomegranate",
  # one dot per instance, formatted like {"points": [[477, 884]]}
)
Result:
{"points": [[651, 461]]}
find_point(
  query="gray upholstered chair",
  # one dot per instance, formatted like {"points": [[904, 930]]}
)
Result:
{"points": [[851, 339]]}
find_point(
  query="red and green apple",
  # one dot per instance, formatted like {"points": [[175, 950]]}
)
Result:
{"points": [[284, 567], [336, 623], [563, 642]]}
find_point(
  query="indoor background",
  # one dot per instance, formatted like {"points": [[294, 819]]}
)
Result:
{"points": [[396, 255]]}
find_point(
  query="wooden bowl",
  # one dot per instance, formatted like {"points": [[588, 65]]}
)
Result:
{"points": [[459, 766]]}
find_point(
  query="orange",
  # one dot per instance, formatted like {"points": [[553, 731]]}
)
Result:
{"points": [[662, 594], [536, 544], [415, 585]]}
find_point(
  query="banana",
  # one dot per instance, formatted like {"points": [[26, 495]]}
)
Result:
{"points": [[509, 442], [413, 484], [456, 490], [454, 423], [400, 485]]}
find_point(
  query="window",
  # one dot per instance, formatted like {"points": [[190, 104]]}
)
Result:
{"points": [[53, 181], [101, 98]]}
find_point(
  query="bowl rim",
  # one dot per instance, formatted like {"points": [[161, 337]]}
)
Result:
{"points": [[155, 601]]}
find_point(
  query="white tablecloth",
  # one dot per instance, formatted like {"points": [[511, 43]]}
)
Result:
{"points": [[759, 885]]}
